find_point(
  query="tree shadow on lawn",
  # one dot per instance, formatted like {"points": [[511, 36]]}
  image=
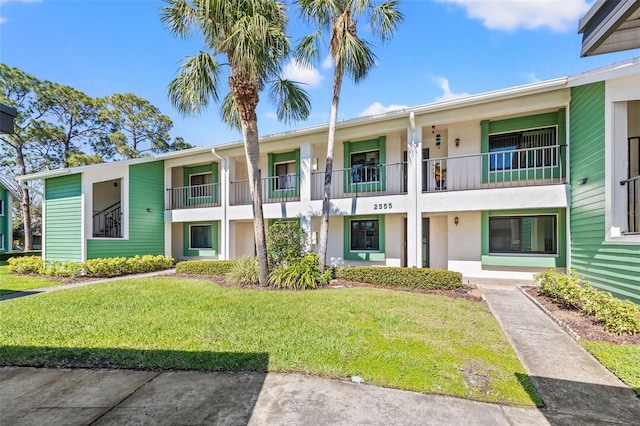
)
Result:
{"points": [[86, 384]]}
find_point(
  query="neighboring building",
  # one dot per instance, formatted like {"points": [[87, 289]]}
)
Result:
{"points": [[610, 26], [478, 185], [605, 156], [7, 190], [7, 195]]}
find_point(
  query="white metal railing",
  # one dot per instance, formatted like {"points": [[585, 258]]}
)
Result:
{"points": [[275, 189], [520, 167], [363, 181], [195, 196], [633, 203]]}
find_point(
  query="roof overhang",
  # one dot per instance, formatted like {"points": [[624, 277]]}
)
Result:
{"points": [[610, 26]]}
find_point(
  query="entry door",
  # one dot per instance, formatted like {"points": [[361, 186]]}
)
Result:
{"points": [[425, 242], [404, 241]]}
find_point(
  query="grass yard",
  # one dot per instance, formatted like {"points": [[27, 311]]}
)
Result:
{"points": [[423, 343], [622, 360], [11, 283]]}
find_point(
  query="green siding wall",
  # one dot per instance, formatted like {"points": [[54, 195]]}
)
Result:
{"points": [[63, 218], [612, 267], [146, 228], [6, 242]]}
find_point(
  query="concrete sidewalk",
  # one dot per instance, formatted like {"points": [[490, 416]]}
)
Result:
{"points": [[576, 389], [32, 396]]}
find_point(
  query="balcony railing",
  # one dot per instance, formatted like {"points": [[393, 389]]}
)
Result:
{"points": [[520, 167], [197, 196], [275, 189], [107, 223], [633, 202], [363, 181]]}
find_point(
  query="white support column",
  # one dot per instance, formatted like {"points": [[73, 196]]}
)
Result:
{"points": [[168, 228], [306, 161], [414, 187], [307, 154], [224, 248]]}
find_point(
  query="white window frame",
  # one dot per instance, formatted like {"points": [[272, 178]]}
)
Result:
{"points": [[289, 178], [1, 241], [352, 250], [210, 226], [2, 206], [191, 185], [521, 253]]}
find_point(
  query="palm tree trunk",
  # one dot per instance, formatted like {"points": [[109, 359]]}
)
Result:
{"points": [[326, 198], [252, 151]]}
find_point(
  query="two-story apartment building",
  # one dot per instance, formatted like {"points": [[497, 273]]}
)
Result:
{"points": [[480, 184]]}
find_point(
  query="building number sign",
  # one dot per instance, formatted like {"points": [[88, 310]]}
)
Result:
{"points": [[382, 206]]}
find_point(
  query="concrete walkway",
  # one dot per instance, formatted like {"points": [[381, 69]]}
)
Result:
{"points": [[577, 390]]}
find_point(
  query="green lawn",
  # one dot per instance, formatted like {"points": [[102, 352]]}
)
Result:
{"points": [[622, 360], [424, 343], [11, 283]]}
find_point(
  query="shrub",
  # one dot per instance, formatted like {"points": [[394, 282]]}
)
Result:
{"points": [[61, 269], [205, 267], [116, 266], [286, 243], [6, 256], [574, 292], [26, 265], [244, 272], [300, 275], [424, 278]]}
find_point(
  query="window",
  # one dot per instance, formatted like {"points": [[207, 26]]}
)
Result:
{"points": [[200, 185], [365, 235], [523, 149], [365, 166], [1, 241], [1, 207], [523, 234], [108, 216], [285, 174], [200, 237]]}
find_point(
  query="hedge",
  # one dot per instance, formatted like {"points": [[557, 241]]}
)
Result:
{"points": [[205, 267], [423, 278], [6, 256], [104, 267], [574, 292]]}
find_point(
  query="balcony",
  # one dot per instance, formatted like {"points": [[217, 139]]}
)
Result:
{"points": [[275, 189], [512, 168], [363, 181], [192, 197]]}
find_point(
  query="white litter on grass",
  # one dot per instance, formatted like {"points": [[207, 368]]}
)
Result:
{"points": [[357, 379]]}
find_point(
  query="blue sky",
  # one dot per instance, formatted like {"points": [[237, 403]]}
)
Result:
{"points": [[443, 49]]}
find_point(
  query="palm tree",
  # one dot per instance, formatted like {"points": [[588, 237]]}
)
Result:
{"points": [[251, 35], [351, 55]]}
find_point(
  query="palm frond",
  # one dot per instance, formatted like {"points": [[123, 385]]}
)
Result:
{"points": [[292, 102], [229, 112], [196, 85], [178, 17], [385, 19], [308, 49]]}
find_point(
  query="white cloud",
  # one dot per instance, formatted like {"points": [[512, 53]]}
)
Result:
{"points": [[447, 94], [377, 108], [301, 74], [511, 15], [327, 63], [531, 77]]}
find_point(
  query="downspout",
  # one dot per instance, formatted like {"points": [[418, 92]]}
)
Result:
{"points": [[224, 228]]}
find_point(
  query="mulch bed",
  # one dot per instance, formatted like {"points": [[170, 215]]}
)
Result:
{"points": [[585, 326]]}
